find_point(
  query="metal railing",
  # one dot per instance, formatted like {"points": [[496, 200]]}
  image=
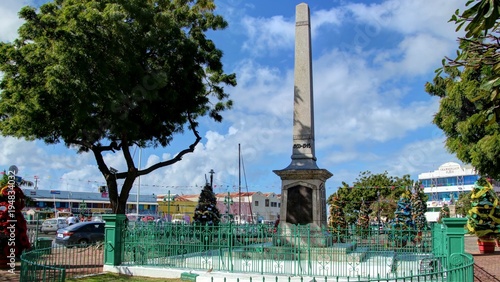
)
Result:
{"points": [[292, 253], [366, 255], [57, 263]]}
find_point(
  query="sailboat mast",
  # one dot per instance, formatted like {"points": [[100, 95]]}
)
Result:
{"points": [[239, 181]]}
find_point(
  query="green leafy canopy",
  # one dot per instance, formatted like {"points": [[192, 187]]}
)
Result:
{"points": [[469, 87], [110, 74]]}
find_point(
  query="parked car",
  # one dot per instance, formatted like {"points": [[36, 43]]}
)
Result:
{"points": [[53, 224], [97, 216], [81, 234]]}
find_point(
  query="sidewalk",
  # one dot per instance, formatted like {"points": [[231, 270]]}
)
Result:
{"points": [[5, 275], [486, 266]]}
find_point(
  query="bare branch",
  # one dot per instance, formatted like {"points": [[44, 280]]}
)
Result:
{"points": [[179, 156]]}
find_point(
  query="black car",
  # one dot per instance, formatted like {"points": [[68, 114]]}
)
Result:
{"points": [[81, 234]]}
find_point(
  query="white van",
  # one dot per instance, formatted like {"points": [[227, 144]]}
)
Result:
{"points": [[53, 224]]}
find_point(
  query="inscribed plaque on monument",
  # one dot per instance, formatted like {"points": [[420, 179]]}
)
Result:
{"points": [[299, 205]]}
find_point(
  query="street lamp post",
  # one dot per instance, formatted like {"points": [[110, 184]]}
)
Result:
{"points": [[139, 180], [168, 206], [212, 178], [378, 210], [228, 201], [83, 207]]}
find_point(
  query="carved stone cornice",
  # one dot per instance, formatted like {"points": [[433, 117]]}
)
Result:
{"points": [[303, 174]]}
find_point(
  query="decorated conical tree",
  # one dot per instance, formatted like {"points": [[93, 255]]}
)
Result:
{"points": [[483, 218], [403, 213], [363, 222], [206, 212], [444, 213], [419, 207], [403, 222], [336, 220]]}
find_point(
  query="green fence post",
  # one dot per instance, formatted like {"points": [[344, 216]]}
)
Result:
{"points": [[455, 235], [113, 246], [438, 239], [455, 243]]}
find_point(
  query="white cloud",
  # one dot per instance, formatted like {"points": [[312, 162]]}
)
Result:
{"points": [[262, 88], [420, 156], [350, 100], [372, 94], [9, 21], [325, 17], [408, 17], [415, 55], [268, 35]]}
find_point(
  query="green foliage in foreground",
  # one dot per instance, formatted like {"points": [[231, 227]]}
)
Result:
{"points": [[468, 87], [108, 77]]}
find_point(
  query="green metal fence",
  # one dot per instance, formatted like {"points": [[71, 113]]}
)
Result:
{"points": [[57, 263], [366, 255]]}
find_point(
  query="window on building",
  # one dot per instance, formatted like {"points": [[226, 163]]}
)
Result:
{"points": [[267, 203], [256, 203]]}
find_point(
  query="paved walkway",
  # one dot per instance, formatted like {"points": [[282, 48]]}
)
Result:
{"points": [[5, 275], [487, 266]]}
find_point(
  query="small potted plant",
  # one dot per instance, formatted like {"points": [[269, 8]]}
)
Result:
{"points": [[484, 215]]}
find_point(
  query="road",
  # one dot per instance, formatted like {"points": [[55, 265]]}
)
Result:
{"points": [[32, 234]]}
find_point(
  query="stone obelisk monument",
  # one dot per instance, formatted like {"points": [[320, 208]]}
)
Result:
{"points": [[303, 196]]}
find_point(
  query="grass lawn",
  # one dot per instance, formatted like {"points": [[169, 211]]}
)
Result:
{"points": [[122, 278]]}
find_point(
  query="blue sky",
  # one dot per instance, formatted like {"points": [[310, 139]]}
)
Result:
{"points": [[371, 60]]}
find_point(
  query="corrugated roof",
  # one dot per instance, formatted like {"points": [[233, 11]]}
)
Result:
{"points": [[70, 195]]}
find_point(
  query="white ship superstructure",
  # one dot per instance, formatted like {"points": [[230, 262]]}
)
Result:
{"points": [[444, 185]]}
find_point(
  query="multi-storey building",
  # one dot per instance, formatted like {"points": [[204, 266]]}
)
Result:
{"points": [[444, 185], [52, 202]]}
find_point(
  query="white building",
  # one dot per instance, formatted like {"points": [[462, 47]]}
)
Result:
{"points": [[250, 206], [266, 206], [444, 185]]}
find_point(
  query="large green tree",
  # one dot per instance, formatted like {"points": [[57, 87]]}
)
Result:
{"points": [[472, 131], [377, 190], [469, 87], [108, 75]]}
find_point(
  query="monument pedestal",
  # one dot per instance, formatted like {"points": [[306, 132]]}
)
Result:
{"points": [[302, 236], [303, 207], [303, 196]]}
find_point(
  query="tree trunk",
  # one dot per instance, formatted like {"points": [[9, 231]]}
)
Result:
{"points": [[119, 200]]}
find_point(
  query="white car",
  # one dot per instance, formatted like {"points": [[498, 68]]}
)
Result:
{"points": [[53, 224]]}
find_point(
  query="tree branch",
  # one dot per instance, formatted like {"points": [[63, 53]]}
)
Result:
{"points": [[179, 156], [103, 168]]}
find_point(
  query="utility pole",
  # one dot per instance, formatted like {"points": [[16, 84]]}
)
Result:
{"points": [[378, 211], [36, 183], [211, 179], [239, 183]]}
